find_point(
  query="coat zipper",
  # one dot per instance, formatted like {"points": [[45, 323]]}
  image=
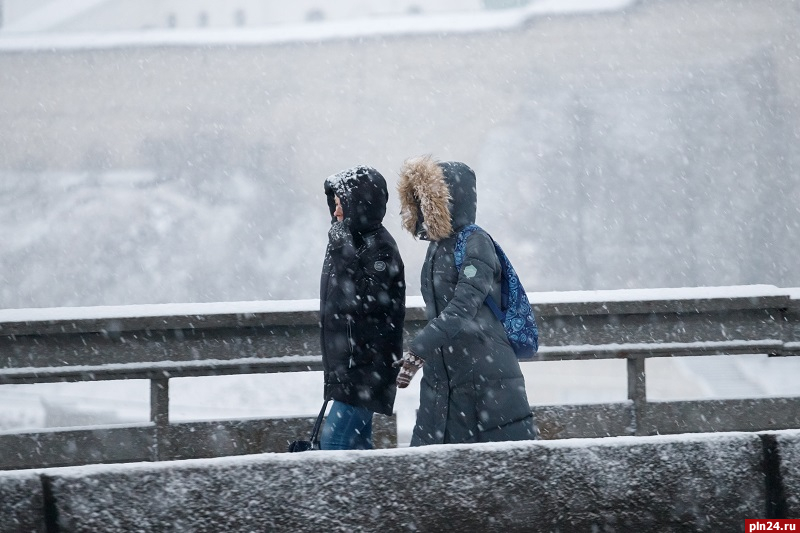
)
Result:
{"points": [[350, 341], [435, 303]]}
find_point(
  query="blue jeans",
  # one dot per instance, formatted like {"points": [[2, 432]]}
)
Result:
{"points": [[347, 428]]}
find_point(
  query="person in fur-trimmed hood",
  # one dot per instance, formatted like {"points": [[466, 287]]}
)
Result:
{"points": [[362, 308], [472, 387]]}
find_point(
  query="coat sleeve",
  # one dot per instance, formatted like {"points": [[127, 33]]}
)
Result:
{"points": [[365, 278], [475, 281]]}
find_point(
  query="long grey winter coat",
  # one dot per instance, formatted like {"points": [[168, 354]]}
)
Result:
{"points": [[472, 389]]}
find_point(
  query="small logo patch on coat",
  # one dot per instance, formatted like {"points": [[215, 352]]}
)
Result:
{"points": [[380, 266], [470, 271]]}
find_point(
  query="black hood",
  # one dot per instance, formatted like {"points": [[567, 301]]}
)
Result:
{"points": [[363, 194]]}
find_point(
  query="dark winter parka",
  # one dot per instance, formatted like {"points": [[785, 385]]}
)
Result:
{"points": [[472, 389], [362, 296]]}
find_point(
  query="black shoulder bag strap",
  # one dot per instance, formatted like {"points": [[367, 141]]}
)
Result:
{"points": [[315, 432]]}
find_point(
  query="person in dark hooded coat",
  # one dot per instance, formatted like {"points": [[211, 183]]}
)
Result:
{"points": [[472, 388], [362, 308]]}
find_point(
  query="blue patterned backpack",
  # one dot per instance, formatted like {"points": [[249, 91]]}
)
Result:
{"points": [[515, 311]]}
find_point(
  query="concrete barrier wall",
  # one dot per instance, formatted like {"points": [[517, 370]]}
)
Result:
{"points": [[21, 502], [789, 453], [700, 482]]}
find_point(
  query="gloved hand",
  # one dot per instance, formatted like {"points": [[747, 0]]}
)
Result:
{"points": [[339, 234], [409, 365]]}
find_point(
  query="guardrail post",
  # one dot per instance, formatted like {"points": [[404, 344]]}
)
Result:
{"points": [[159, 415], [637, 391]]}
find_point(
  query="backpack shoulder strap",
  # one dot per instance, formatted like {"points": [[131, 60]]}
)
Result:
{"points": [[461, 243], [489, 301], [461, 250]]}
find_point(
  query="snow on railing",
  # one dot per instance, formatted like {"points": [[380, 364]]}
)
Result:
{"points": [[168, 341]]}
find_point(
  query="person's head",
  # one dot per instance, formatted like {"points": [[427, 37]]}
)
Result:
{"points": [[436, 198], [359, 195], [338, 213]]}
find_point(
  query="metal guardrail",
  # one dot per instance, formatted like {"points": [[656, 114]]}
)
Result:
{"points": [[162, 342]]}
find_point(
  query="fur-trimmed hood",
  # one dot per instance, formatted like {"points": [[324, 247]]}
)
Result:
{"points": [[440, 194]]}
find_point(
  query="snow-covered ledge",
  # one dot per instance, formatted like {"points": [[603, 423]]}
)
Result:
{"points": [[699, 482]]}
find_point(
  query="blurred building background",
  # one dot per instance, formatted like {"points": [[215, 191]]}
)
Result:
{"points": [[630, 145], [131, 15]]}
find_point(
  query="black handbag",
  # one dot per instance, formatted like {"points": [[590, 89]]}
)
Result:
{"points": [[313, 442]]}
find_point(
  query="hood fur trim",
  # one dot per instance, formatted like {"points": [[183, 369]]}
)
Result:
{"points": [[422, 184]]}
